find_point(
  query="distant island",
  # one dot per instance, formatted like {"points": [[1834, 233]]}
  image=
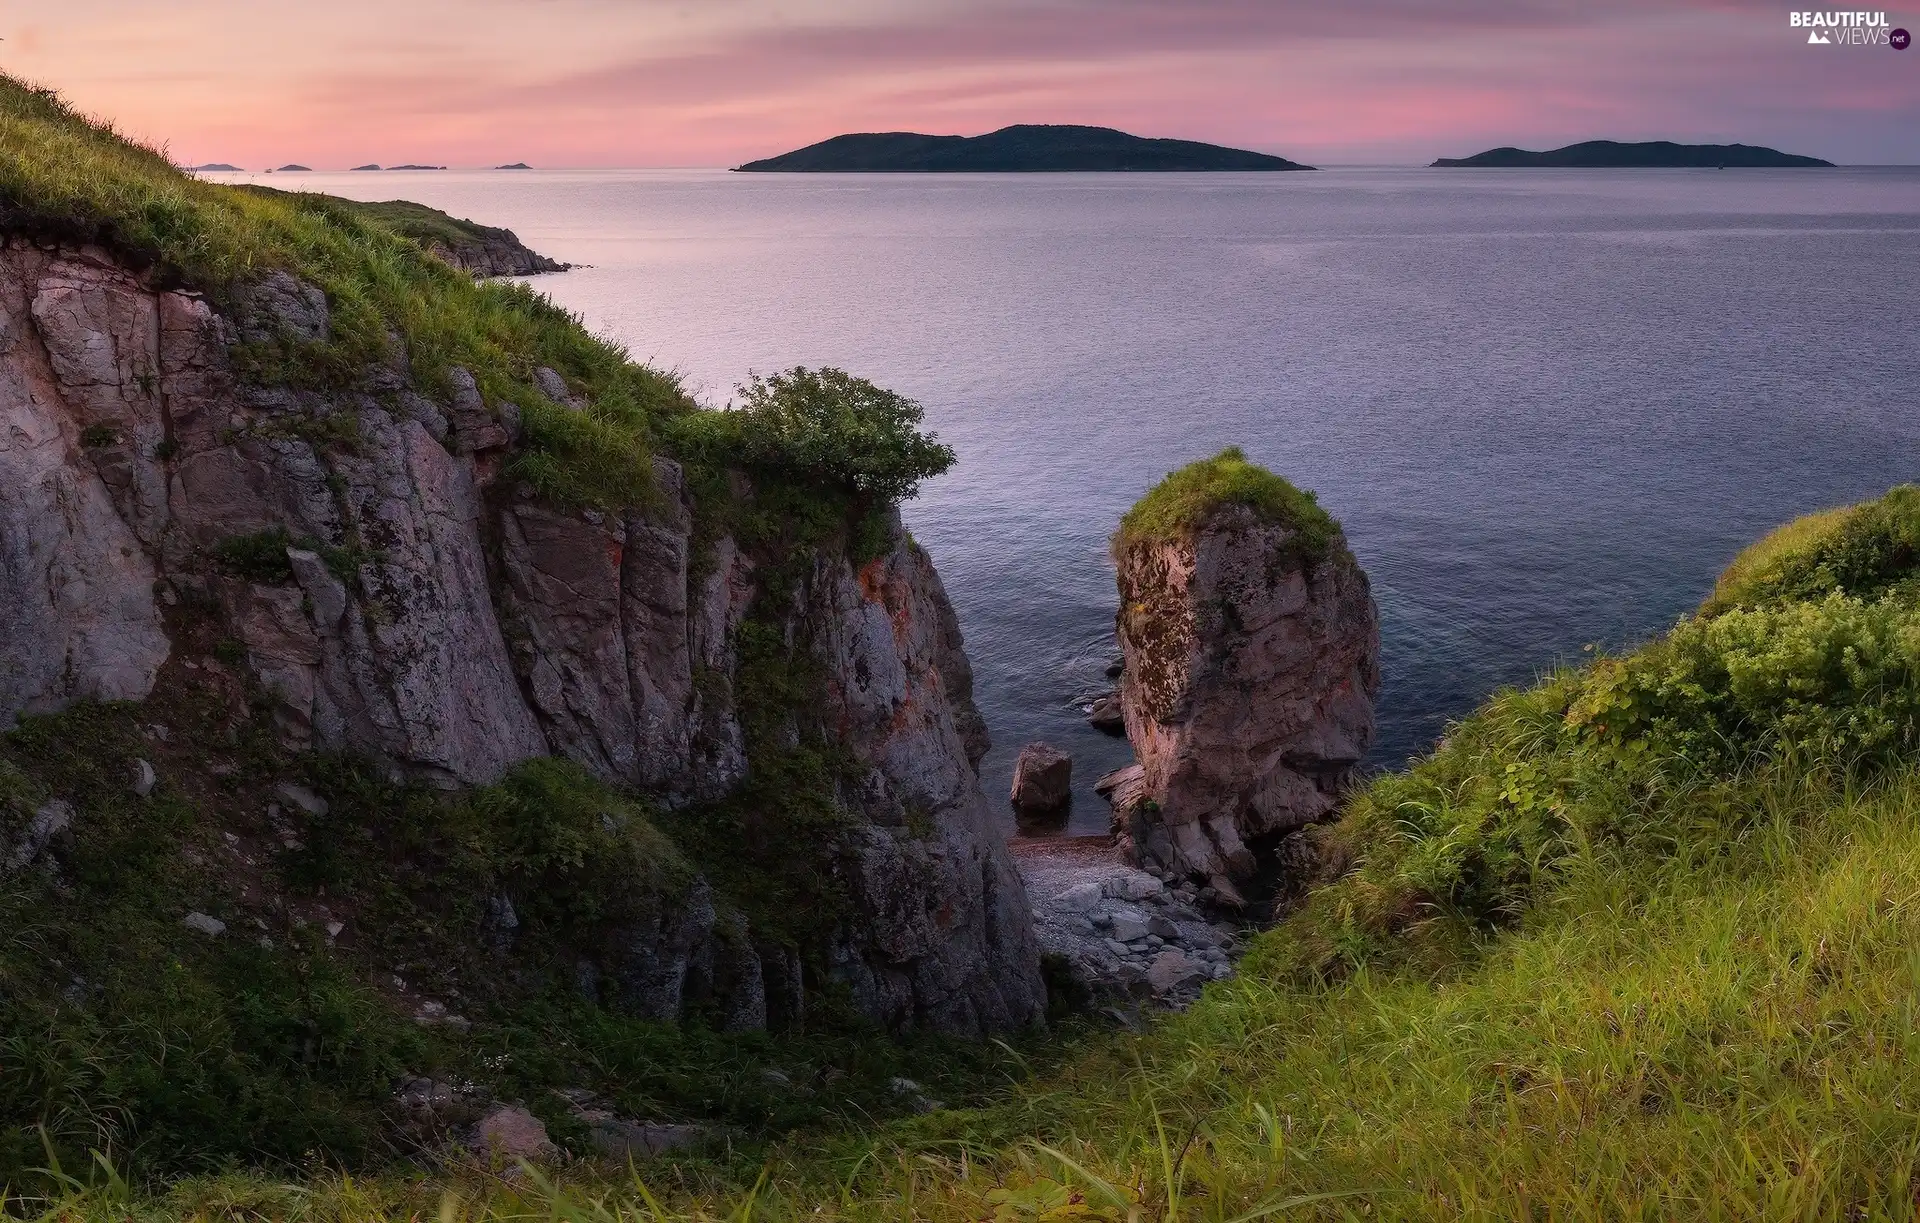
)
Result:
{"points": [[1022, 148], [368, 166], [518, 165], [1598, 154], [290, 169], [413, 167], [219, 167]]}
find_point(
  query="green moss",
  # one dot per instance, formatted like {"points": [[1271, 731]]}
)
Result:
{"points": [[1187, 498], [1861, 550], [258, 557]]}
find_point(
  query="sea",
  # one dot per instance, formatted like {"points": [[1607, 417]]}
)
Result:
{"points": [[1546, 405]]}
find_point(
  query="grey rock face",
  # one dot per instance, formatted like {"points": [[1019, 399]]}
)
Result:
{"points": [[1248, 691], [78, 619], [1042, 778], [945, 939], [282, 305], [453, 628]]}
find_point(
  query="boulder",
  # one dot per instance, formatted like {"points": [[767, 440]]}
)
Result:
{"points": [[201, 923], [1042, 778], [54, 817], [1252, 662], [1107, 716], [510, 1132], [1080, 898], [1174, 969], [622, 1140]]}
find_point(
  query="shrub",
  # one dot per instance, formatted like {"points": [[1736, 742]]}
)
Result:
{"points": [[1837, 679], [573, 852], [824, 427], [259, 557], [1182, 502]]}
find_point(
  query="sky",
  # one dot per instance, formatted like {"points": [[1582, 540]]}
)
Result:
{"points": [[634, 83]]}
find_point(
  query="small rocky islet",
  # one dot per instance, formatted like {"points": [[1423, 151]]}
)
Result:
{"points": [[1249, 665]]}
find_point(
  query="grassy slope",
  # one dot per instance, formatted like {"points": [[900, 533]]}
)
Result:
{"points": [[65, 176], [434, 231]]}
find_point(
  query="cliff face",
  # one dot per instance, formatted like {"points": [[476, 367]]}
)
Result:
{"points": [[1248, 690], [395, 598]]}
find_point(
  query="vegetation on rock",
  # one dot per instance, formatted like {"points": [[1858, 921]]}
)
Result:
{"points": [[1860, 550], [823, 427], [1187, 498], [1022, 148], [262, 1034]]}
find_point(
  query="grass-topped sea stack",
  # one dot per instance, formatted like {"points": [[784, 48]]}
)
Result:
{"points": [[1252, 651]]}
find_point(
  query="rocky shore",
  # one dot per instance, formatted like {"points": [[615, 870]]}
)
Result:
{"points": [[1122, 934]]}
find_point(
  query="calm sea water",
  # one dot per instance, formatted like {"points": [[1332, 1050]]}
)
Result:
{"points": [[1547, 405]]}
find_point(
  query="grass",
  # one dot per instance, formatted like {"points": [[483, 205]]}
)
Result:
{"points": [[1860, 549], [1183, 502], [1723, 1032], [277, 1045], [427, 226], [67, 177]]}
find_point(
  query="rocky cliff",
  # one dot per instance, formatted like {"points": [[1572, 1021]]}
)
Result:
{"points": [[1251, 660], [391, 594]]}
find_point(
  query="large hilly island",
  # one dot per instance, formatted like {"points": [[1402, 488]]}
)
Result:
{"points": [[1600, 154], [1025, 147]]}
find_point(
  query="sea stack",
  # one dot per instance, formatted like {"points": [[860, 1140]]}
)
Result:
{"points": [[1252, 652]]}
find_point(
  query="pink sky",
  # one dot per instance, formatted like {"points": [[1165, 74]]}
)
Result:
{"points": [[334, 83]]}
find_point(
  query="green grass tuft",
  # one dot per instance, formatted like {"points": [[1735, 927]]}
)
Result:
{"points": [[1183, 502]]}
